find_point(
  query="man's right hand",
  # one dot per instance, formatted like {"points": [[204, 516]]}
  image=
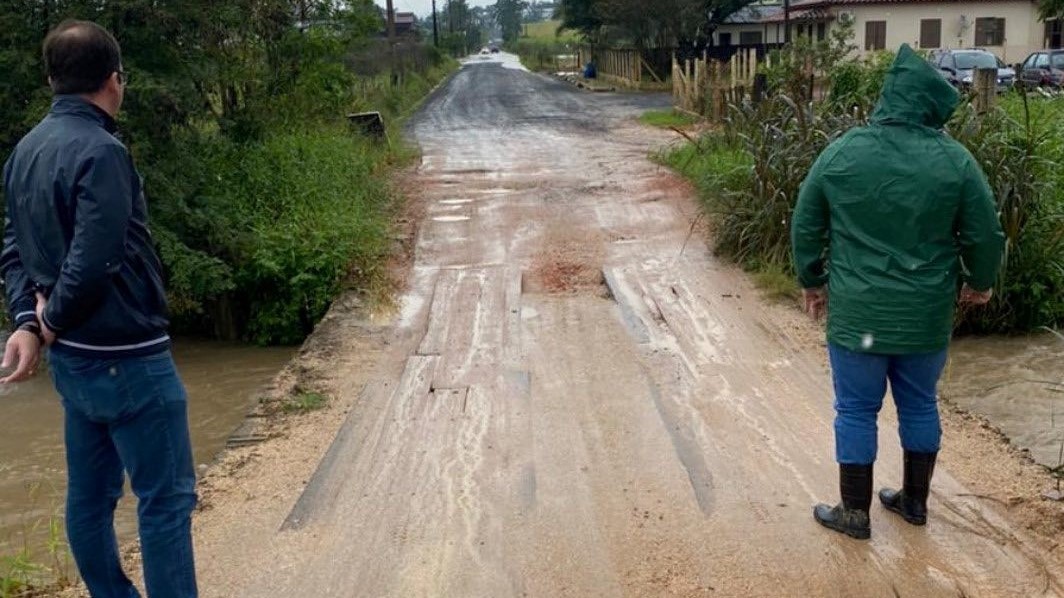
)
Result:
{"points": [[46, 333], [972, 297], [23, 351], [815, 302]]}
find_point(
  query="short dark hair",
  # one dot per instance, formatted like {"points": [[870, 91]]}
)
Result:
{"points": [[80, 56]]}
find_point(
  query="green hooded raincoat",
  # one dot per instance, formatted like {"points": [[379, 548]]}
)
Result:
{"points": [[893, 216]]}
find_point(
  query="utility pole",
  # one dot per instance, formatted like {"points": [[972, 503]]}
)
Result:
{"points": [[786, 21], [391, 21], [435, 26]]}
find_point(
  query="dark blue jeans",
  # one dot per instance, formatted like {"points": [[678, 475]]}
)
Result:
{"points": [[860, 385], [128, 415]]}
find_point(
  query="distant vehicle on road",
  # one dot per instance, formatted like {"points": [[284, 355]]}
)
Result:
{"points": [[1045, 68], [958, 67], [485, 51], [495, 49]]}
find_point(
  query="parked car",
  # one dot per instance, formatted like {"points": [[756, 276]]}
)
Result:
{"points": [[958, 67], [1045, 68]]}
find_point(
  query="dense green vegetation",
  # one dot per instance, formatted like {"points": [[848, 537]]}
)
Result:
{"points": [[682, 24], [263, 200], [749, 171]]}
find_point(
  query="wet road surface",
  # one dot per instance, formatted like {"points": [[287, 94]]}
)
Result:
{"points": [[577, 409]]}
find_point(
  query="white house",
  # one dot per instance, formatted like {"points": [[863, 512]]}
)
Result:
{"points": [[1009, 28]]}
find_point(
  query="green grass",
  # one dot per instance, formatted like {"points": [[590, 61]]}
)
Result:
{"points": [[305, 402], [23, 573], [776, 283], [548, 31], [667, 119]]}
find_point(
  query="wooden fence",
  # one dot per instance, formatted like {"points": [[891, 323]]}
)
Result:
{"points": [[705, 87], [623, 66]]}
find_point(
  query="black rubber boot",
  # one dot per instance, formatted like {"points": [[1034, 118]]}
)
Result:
{"points": [[850, 517], [911, 502]]}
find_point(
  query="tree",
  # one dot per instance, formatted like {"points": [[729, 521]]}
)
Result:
{"points": [[1051, 9], [581, 16], [509, 16], [672, 23]]}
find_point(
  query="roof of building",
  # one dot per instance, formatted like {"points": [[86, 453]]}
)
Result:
{"points": [[405, 17], [811, 10], [754, 13]]}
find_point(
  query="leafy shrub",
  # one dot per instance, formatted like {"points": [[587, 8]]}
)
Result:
{"points": [[1020, 150], [293, 216]]}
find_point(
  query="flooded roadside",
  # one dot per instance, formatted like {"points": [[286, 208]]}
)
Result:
{"points": [[1017, 384], [222, 381]]}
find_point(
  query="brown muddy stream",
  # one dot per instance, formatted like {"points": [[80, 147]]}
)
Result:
{"points": [[222, 381], [1017, 384]]}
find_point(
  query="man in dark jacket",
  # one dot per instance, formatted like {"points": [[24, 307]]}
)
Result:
{"points": [[892, 218], [82, 277]]}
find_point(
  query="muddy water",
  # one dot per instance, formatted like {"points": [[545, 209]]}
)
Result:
{"points": [[1017, 384], [222, 381]]}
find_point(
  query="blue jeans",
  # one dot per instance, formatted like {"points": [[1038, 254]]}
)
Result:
{"points": [[128, 414], [860, 385]]}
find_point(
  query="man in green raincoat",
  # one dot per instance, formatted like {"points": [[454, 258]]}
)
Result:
{"points": [[893, 220]]}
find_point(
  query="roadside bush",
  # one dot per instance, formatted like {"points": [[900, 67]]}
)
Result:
{"points": [[1019, 147], [295, 215], [855, 85]]}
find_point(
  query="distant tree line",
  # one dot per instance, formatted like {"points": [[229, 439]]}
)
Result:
{"points": [[671, 23]]}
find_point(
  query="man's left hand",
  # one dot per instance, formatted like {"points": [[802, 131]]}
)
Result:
{"points": [[23, 353], [46, 333]]}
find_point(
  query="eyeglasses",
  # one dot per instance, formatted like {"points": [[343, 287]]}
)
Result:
{"points": [[123, 77]]}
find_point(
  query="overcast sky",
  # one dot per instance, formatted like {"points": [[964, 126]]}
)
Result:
{"points": [[424, 7]]}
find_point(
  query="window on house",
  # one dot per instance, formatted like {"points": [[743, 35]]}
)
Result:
{"points": [[750, 38], [875, 35], [821, 31], [989, 31], [724, 39], [931, 33]]}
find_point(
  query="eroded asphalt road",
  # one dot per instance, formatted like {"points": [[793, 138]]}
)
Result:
{"points": [[580, 410]]}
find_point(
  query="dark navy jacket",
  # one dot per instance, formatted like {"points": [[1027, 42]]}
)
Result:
{"points": [[77, 231]]}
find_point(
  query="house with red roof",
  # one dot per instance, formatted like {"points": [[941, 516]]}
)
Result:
{"points": [[1011, 29]]}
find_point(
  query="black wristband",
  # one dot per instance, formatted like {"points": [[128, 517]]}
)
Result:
{"points": [[34, 328]]}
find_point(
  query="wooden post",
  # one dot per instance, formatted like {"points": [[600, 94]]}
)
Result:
{"points": [[760, 83], [719, 93], [985, 83], [675, 80]]}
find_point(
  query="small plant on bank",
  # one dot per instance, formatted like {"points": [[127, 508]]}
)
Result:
{"points": [[39, 567], [667, 119], [305, 402], [776, 282]]}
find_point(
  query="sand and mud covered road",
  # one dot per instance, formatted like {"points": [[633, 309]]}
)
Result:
{"points": [[566, 401]]}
